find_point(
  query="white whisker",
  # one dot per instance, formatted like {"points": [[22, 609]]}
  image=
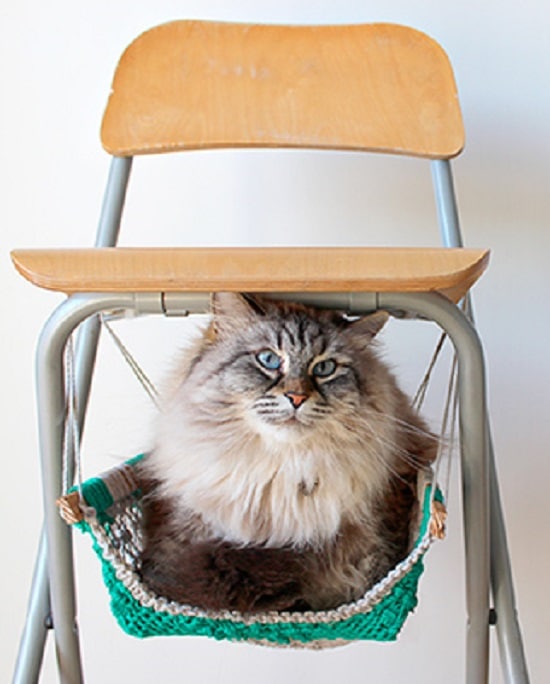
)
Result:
{"points": [[409, 427]]}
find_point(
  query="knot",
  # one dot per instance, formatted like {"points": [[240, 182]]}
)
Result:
{"points": [[438, 520], [69, 508]]}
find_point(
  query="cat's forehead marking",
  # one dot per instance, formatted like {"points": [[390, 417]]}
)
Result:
{"points": [[295, 335], [298, 330], [304, 327]]}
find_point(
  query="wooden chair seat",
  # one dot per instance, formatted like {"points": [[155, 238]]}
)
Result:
{"points": [[449, 271]]}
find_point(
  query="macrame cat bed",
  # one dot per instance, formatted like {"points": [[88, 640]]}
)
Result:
{"points": [[108, 508]]}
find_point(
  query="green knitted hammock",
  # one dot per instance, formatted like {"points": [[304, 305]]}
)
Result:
{"points": [[108, 508]]}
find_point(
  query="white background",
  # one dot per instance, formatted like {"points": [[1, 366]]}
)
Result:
{"points": [[56, 66]]}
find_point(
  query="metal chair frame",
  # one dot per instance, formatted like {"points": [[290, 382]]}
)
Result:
{"points": [[52, 601]]}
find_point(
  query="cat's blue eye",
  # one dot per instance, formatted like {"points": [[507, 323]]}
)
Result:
{"points": [[268, 359], [324, 368]]}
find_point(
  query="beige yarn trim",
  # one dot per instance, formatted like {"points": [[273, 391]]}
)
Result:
{"points": [[131, 580]]}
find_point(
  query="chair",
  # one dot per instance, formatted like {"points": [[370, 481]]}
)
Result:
{"points": [[191, 85]]}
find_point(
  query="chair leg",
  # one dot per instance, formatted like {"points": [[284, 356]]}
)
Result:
{"points": [[50, 388], [475, 470], [35, 631], [39, 620], [512, 654], [51, 417], [51, 410]]}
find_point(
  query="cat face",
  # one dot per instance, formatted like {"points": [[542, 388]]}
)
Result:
{"points": [[284, 370]]}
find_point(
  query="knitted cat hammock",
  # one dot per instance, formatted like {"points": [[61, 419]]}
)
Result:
{"points": [[108, 508]]}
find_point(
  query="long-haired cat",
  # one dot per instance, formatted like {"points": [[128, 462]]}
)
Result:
{"points": [[285, 467]]}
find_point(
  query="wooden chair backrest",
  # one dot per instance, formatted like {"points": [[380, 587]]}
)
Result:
{"points": [[194, 85]]}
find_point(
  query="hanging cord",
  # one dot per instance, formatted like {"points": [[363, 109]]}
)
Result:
{"points": [[420, 394], [451, 409], [72, 505], [71, 436], [136, 369], [447, 431]]}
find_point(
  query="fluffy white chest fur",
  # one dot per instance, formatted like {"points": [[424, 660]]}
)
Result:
{"points": [[251, 488]]}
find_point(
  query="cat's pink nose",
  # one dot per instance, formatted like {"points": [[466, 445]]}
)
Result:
{"points": [[295, 398]]}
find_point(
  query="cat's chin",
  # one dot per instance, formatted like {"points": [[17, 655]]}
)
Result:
{"points": [[290, 430]]}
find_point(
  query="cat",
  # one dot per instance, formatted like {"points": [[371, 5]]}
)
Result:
{"points": [[285, 466]]}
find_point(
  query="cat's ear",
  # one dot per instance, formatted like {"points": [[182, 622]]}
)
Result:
{"points": [[231, 311], [369, 326]]}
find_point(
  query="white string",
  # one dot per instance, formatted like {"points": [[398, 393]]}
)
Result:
{"points": [[447, 431], [420, 394], [451, 409], [452, 437], [71, 432], [136, 369], [71, 435]]}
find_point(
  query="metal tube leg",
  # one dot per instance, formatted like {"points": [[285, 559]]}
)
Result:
{"points": [[51, 416], [113, 202], [475, 475], [33, 639], [476, 529], [107, 236], [512, 654], [85, 356], [447, 209], [51, 408], [50, 397]]}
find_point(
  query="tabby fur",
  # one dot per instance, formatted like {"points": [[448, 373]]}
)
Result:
{"points": [[285, 466]]}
